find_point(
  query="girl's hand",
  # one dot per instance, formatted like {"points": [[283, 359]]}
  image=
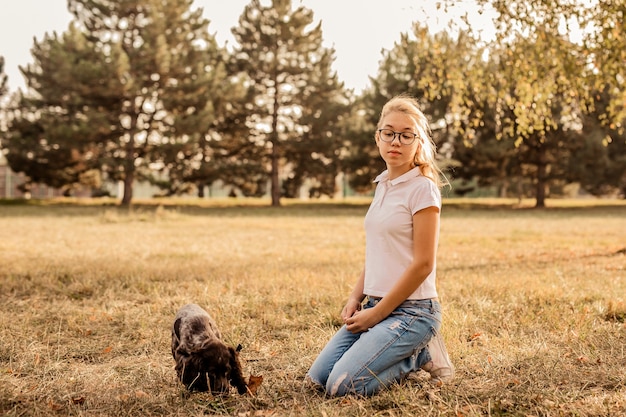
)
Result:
{"points": [[362, 321], [351, 307]]}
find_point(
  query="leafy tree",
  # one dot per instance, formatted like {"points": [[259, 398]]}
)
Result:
{"points": [[234, 158], [314, 153], [538, 100], [293, 98], [582, 73], [433, 68], [599, 162], [600, 165], [605, 43], [167, 65], [127, 90], [58, 130], [359, 157]]}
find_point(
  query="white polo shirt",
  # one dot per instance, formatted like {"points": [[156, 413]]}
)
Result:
{"points": [[389, 231]]}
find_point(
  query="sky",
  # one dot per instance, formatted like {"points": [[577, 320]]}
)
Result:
{"points": [[358, 30]]}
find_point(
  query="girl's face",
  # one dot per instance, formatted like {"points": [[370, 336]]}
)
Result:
{"points": [[399, 158]]}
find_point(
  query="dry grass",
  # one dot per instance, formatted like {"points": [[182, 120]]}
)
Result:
{"points": [[534, 307]]}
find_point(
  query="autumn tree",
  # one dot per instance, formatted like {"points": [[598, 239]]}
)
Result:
{"points": [[294, 99], [434, 69], [538, 101], [554, 83], [601, 164]]}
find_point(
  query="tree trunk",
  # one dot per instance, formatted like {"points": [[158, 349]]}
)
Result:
{"points": [[129, 174], [275, 191], [275, 182], [503, 190], [540, 192], [129, 178]]}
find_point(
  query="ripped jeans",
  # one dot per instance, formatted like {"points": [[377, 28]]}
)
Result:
{"points": [[364, 363]]}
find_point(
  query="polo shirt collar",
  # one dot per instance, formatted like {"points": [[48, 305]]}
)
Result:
{"points": [[384, 176]]}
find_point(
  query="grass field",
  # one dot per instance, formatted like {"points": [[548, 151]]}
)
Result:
{"points": [[534, 307]]}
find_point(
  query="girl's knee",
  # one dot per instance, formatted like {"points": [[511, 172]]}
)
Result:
{"points": [[339, 386], [346, 384]]}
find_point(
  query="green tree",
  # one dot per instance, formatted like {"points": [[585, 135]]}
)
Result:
{"points": [[59, 128], [292, 93], [127, 91], [168, 66], [234, 158], [358, 157], [599, 162], [314, 153]]}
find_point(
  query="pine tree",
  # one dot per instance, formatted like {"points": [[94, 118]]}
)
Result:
{"points": [[3, 79], [292, 93], [127, 90], [59, 129], [168, 66]]}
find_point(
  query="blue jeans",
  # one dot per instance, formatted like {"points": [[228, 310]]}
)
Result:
{"points": [[364, 363]]}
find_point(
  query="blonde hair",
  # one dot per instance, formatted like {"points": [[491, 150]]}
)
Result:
{"points": [[425, 158]]}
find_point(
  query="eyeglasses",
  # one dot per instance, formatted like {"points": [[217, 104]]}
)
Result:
{"points": [[388, 135]]}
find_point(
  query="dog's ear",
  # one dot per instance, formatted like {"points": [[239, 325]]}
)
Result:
{"points": [[175, 337], [177, 328], [236, 375], [239, 347]]}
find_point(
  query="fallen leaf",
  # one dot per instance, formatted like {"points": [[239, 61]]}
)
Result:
{"points": [[107, 349], [55, 406], [513, 383], [254, 382], [78, 400]]}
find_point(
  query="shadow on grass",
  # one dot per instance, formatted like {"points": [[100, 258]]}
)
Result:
{"points": [[294, 208]]}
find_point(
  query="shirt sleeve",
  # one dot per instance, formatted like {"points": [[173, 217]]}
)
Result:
{"points": [[425, 194]]}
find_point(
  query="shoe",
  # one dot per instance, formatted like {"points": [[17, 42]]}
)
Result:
{"points": [[440, 367]]}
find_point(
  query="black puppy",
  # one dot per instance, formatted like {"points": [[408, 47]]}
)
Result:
{"points": [[203, 361]]}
